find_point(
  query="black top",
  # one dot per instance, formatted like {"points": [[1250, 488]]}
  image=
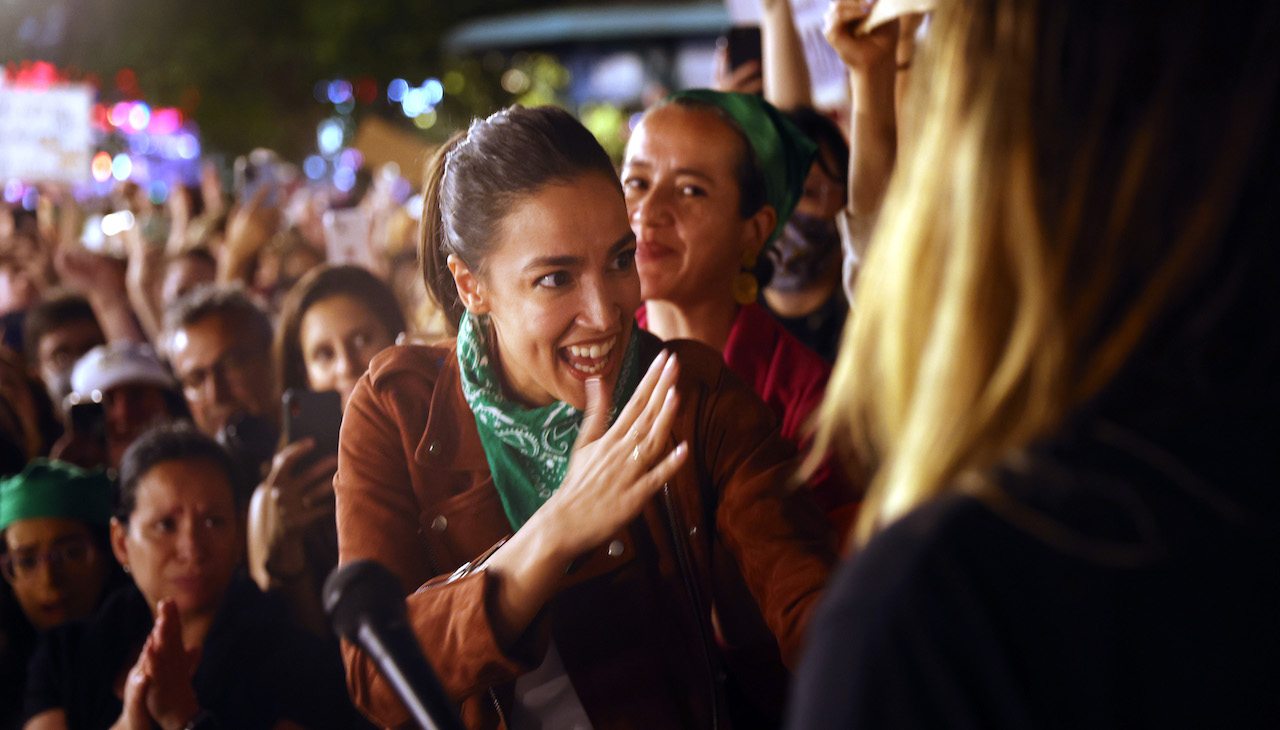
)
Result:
{"points": [[256, 666], [1113, 588]]}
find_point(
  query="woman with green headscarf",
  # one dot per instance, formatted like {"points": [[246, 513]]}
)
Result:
{"points": [[571, 505], [711, 179], [55, 559]]}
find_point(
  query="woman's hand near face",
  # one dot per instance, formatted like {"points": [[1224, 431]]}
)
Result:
{"points": [[613, 473]]}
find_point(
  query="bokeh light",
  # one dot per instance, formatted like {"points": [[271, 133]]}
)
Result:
{"points": [[121, 167], [100, 168]]}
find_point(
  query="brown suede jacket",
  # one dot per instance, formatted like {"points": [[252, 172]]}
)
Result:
{"points": [[633, 619]]}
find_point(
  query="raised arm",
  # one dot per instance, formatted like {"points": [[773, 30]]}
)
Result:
{"points": [[873, 149], [786, 72]]}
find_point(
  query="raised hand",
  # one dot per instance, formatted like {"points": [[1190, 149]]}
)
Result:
{"points": [[613, 472], [747, 78], [860, 52], [615, 469]]}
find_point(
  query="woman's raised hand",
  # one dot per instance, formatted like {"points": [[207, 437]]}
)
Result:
{"points": [[860, 52], [616, 469], [613, 471]]}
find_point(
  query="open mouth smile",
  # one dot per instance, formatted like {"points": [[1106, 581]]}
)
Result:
{"points": [[589, 359]]}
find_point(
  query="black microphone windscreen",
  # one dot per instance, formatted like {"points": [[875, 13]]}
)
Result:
{"points": [[359, 591]]}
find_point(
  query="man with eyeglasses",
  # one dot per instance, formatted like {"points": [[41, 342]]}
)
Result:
{"points": [[219, 346]]}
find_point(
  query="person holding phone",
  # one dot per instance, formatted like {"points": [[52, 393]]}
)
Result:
{"points": [[332, 323]]}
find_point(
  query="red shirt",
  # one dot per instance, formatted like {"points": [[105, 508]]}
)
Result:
{"points": [[791, 379]]}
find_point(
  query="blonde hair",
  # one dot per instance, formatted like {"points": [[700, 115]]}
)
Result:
{"points": [[1059, 199]]}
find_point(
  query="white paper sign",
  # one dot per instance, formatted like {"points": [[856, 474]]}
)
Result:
{"points": [[826, 70], [45, 134]]}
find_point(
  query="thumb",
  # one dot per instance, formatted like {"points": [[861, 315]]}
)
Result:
{"points": [[596, 422]]}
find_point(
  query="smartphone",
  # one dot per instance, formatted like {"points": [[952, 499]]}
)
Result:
{"points": [[88, 420], [318, 416], [348, 237], [253, 176], [743, 43]]}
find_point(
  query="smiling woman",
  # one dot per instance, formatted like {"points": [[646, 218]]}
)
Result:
{"points": [[563, 519]]}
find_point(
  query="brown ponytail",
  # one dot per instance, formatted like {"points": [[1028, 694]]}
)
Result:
{"points": [[476, 178], [431, 243]]}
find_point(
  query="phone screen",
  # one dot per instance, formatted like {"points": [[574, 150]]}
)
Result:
{"points": [[743, 42], [317, 416]]}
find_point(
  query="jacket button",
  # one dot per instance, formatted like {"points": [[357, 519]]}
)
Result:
{"points": [[440, 523], [433, 447], [616, 548], [693, 531]]}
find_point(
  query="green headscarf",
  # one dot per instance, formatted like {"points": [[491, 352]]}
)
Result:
{"points": [[528, 449], [55, 489], [784, 152]]}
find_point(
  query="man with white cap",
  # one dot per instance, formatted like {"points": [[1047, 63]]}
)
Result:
{"points": [[118, 391]]}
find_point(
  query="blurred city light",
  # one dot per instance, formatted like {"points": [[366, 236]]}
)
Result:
{"points": [[121, 167], [314, 167], [101, 167], [158, 191], [139, 116], [113, 224], [188, 147], [396, 90], [339, 91], [329, 137], [425, 120], [344, 178], [434, 90]]}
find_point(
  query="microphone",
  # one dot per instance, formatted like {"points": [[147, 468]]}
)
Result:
{"points": [[366, 606]]}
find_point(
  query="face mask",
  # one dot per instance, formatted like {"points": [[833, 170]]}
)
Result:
{"points": [[802, 253]]}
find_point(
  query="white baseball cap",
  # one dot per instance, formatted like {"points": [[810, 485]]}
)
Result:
{"points": [[115, 364]]}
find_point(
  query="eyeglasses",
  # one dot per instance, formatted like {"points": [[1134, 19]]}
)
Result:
{"points": [[236, 364], [74, 554]]}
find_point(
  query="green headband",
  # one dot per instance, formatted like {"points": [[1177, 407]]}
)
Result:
{"points": [[55, 489], [784, 152]]}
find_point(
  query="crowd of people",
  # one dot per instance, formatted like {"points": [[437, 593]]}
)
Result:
{"points": [[953, 410]]}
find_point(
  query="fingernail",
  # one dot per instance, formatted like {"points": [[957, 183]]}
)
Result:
{"points": [[681, 449]]}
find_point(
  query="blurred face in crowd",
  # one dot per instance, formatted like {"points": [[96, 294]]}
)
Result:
{"points": [[340, 335], [223, 372], [129, 410], [183, 540], [58, 350], [683, 197], [55, 567], [822, 195], [560, 289]]}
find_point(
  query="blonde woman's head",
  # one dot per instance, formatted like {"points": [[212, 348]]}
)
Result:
{"points": [[1077, 197]]}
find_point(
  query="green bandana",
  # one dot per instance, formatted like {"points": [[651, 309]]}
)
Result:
{"points": [[55, 489], [784, 152], [528, 449]]}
